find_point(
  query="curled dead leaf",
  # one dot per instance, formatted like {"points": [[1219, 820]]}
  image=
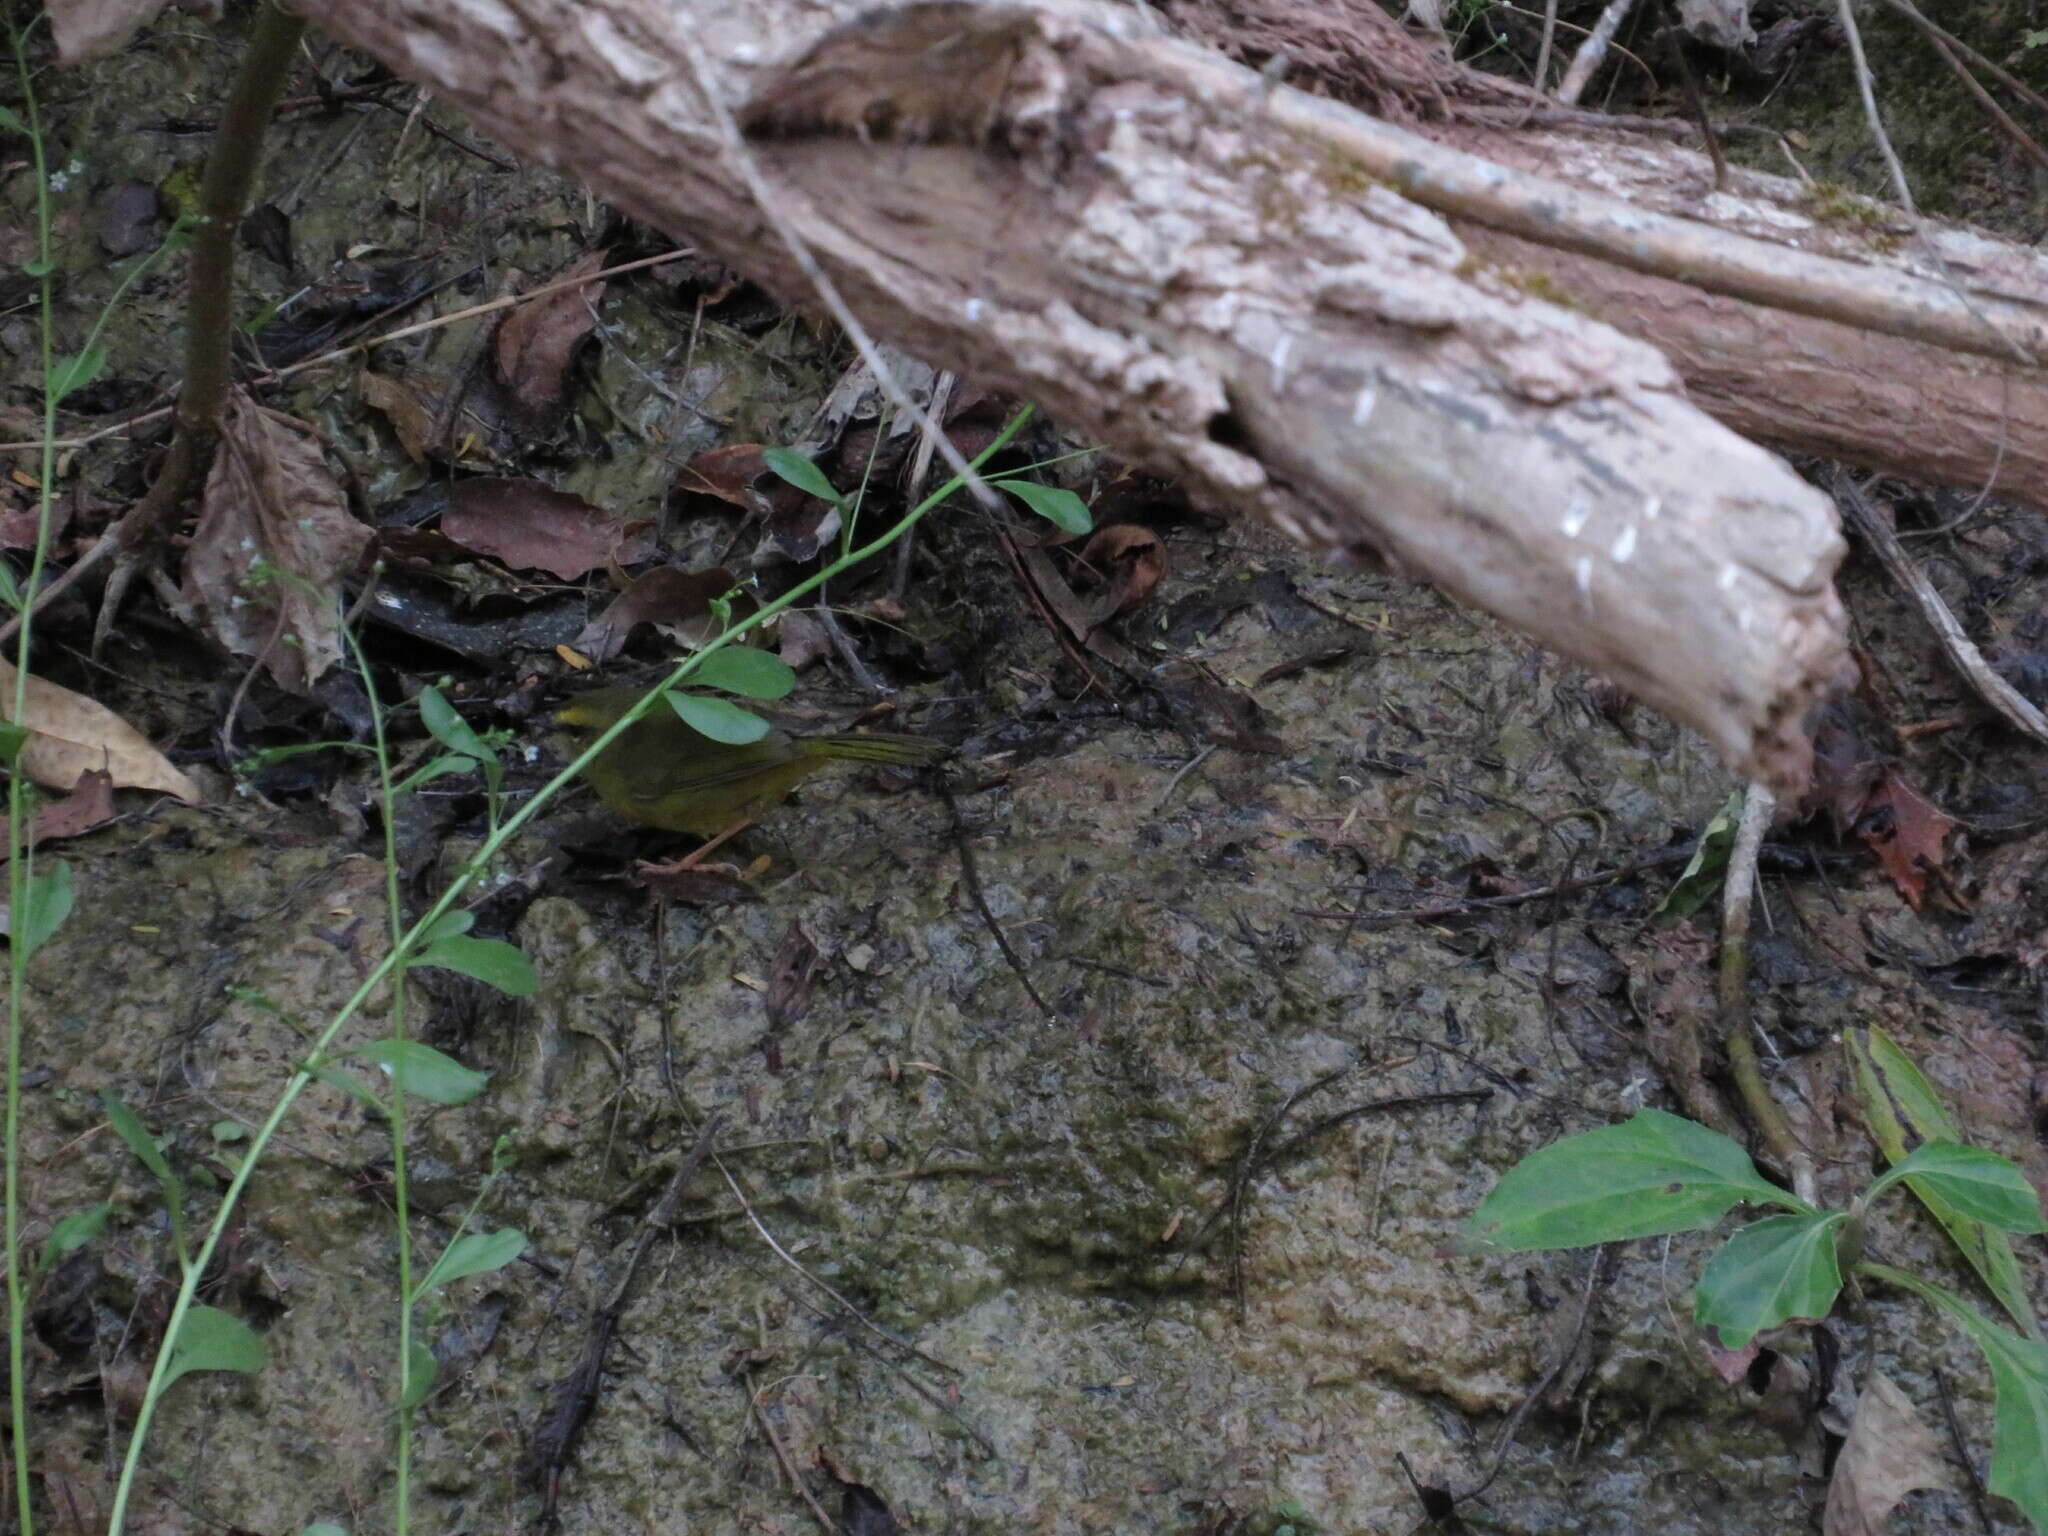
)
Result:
{"points": [[674, 601], [71, 736], [537, 343], [1131, 560], [275, 537], [1907, 832], [1889, 1453], [534, 527]]}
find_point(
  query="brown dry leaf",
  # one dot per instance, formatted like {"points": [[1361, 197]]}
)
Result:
{"points": [[85, 30], [1906, 832], [89, 805], [275, 537], [71, 736], [19, 517], [789, 979], [533, 527], [675, 601], [537, 343], [410, 418], [729, 473], [1131, 560], [801, 639], [1888, 1454]]}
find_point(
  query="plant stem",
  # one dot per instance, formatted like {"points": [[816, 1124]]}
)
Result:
{"points": [[20, 858], [393, 962], [400, 1211]]}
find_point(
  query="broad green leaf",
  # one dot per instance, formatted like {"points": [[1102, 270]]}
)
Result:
{"points": [[747, 672], [424, 1072], [474, 1253], [1651, 1174], [2019, 1378], [1063, 509], [1903, 1111], [449, 924], [129, 1127], [448, 727], [212, 1340], [801, 473], [39, 267], [46, 903], [12, 738], [73, 1231], [717, 719], [1978, 1184], [1769, 1273], [73, 373], [324, 1528], [491, 961], [1700, 881], [421, 1370], [11, 121]]}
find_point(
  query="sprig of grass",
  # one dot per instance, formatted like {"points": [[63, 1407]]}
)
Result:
{"points": [[418, 943]]}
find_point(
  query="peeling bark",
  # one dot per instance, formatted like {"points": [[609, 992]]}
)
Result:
{"points": [[1197, 265]]}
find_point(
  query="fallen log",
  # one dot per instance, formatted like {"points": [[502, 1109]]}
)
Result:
{"points": [[1179, 255]]}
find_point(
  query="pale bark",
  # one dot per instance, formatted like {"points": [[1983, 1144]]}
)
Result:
{"points": [[1196, 265]]}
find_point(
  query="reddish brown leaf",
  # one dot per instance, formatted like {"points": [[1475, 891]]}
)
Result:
{"points": [[801, 639], [412, 420], [18, 517], [675, 601], [537, 343], [533, 527], [1906, 832], [1131, 561], [275, 537], [90, 804], [730, 473]]}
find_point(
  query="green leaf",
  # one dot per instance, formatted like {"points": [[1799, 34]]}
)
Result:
{"points": [[424, 1072], [435, 768], [1975, 1183], [421, 1371], [129, 1127], [73, 1231], [1903, 1111], [474, 1253], [747, 672], [491, 961], [801, 473], [324, 1528], [449, 924], [41, 266], [717, 719], [46, 903], [1700, 881], [1769, 1273], [448, 727], [12, 738], [212, 1340], [10, 594], [351, 1085], [1063, 509], [12, 122], [73, 373], [2019, 1378], [1651, 1174]]}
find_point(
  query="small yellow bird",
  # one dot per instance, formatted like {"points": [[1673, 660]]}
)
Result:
{"points": [[664, 772]]}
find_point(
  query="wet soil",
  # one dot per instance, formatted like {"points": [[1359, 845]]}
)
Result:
{"points": [[1172, 1253]]}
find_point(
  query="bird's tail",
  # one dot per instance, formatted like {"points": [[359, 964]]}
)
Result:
{"points": [[875, 747]]}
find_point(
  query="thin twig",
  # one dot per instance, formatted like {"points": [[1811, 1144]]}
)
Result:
{"points": [[1758, 806], [1877, 531], [560, 1430], [782, 1460], [971, 876]]}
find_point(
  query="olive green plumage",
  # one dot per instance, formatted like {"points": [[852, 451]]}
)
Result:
{"points": [[665, 773]]}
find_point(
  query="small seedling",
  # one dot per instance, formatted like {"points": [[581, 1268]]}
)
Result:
{"points": [[1658, 1173]]}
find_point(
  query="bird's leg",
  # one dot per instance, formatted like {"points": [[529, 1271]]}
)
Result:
{"points": [[692, 859]]}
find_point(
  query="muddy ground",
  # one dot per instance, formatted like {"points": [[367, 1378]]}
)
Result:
{"points": [[1168, 1253]]}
